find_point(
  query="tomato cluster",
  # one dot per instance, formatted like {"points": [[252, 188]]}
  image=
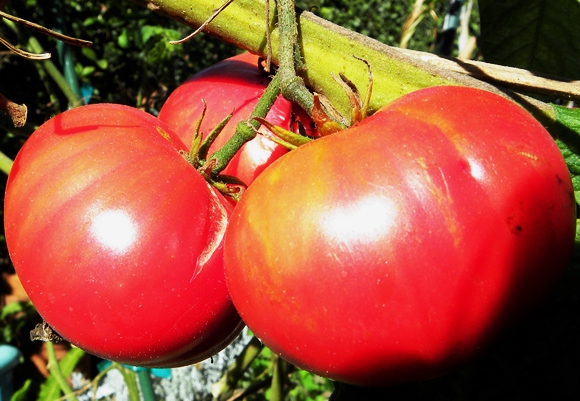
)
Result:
{"points": [[392, 251]]}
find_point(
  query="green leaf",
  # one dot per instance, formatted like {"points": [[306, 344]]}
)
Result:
{"points": [[13, 318], [537, 35], [90, 21], [123, 39], [89, 53], [568, 140], [22, 393], [103, 64], [86, 71], [11, 309], [567, 136], [147, 32]]}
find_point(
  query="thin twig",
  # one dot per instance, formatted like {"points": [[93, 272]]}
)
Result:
{"points": [[202, 26], [63, 38], [23, 53]]}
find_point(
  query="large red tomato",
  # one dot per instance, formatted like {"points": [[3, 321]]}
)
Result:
{"points": [[118, 240], [398, 249], [234, 84]]}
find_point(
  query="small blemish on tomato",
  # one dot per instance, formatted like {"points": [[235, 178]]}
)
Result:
{"points": [[162, 132]]}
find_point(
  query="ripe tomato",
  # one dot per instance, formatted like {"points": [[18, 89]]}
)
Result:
{"points": [[398, 249], [234, 84], [118, 240]]}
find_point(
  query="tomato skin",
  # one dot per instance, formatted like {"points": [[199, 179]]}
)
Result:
{"points": [[234, 84], [403, 246], [118, 241]]}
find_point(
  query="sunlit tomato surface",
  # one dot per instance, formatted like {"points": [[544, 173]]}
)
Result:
{"points": [[118, 240], [398, 249], [234, 84]]}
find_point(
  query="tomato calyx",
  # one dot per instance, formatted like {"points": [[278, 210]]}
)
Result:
{"points": [[44, 332], [227, 185], [198, 158], [328, 119], [290, 140]]}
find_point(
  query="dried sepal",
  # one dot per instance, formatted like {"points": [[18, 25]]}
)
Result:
{"points": [[367, 101], [326, 124], [16, 112]]}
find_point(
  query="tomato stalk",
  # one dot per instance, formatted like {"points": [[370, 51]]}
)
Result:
{"points": [[292, 86], [285, 81], [277, 387], [245, 130], [224, 387], [54, 368], [130, 380], [324, 46]]}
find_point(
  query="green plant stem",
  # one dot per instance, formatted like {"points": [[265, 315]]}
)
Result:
{"points": [[277, 387], [54, 368], [223, 388], [328, 48], [292, 86], [144, 376], [130, 380], [246, 130], [5, 163]]}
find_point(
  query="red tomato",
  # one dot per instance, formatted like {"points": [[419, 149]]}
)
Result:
{"points": [[396, 250], [234, 84], [118, 240]]}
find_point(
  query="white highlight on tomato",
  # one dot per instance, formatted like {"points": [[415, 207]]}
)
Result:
{"points": [[477, 170], [366, 220], [114, 229], [258, 151]]}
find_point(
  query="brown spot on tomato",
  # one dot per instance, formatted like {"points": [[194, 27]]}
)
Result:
{"points": [[515, 228]]}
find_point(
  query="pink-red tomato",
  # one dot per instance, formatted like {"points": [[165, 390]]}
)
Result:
{"points": [[234, 84], [396, 250], [118, 240]]}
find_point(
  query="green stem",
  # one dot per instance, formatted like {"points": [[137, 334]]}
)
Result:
{"points": [[130, 380], [223, 388], [54, 368], [246, 130], [277, 387], [5, 163], [291, 85], [328, 48], [144, 376]]}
